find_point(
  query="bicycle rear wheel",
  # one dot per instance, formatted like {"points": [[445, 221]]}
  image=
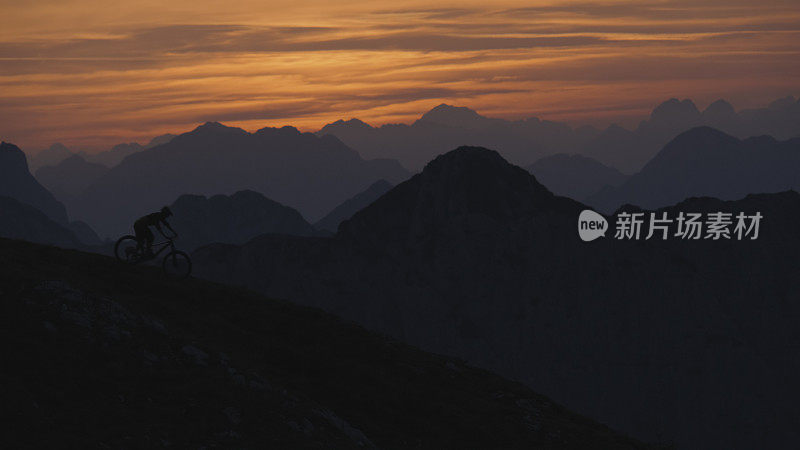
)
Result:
{"points": [[127, 249], [177, 265]]}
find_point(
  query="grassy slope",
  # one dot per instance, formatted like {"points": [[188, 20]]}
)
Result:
{"points": [[106, 358]]}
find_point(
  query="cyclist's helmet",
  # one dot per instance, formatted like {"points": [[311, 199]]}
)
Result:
{"points": [[166, 211]]}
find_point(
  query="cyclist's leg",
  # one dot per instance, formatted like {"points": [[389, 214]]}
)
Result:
{"points": [[148, 237], [141, 233]]}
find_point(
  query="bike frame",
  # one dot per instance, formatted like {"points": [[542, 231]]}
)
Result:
{"points": [[169, 243]]}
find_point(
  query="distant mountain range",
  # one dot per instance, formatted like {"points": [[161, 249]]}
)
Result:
{"points": [[441, 129], [18, 183], [671, 341], [309, 173], [327, 173], [116, 154], [574, 176], [22, 221], [29, 211], [707, 162], [525, 141], [351, 206], [49, 156], [69, 178], [233, 219], [58, 152]]}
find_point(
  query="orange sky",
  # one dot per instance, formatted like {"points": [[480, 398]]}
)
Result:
{"points": [[92, 74]]}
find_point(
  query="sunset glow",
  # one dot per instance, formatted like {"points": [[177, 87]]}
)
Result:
{"points": [[91, 75]]}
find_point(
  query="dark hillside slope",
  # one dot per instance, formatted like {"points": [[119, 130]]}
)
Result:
{"points": [[691, 342], [105, 355]]}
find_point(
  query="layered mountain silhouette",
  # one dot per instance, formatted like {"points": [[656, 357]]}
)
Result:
{"points": [[620, 148], [22, 221], [525, 141], [574, 176], [446, 127], [310, 173], [673, 341], [58, 153], [708, 162], [50, 156], [117, 356], [116, 154], [18, 183], [69, 178], [351, 206], [233, 219]]}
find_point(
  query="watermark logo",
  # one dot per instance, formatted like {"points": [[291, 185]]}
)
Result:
{"points": [[686, 226], [591, 225]]}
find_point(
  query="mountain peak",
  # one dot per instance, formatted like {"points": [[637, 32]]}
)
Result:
{"points": [[482, 177], [675, 110], [216, 127], [17, 182], [356, 123], [783, 103], [453, 116], [720, 113], [12, 157], [55, 153], [73, 159], [695, 139], [690, 148], [282, 131], [158, 140], [720, 106], [468, 155], [466, 187], [59, 147], [345, 126]]}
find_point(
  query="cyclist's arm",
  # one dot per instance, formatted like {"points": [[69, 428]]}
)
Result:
{"points": [[168, 226]]}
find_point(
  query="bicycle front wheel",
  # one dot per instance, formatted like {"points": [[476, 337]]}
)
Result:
{"points": [[177, 265]]}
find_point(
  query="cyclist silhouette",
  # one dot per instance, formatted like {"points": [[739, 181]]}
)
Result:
{"points": [[144, 237]]}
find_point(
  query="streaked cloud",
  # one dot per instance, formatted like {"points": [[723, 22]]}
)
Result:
{"points": [[90, 76]]}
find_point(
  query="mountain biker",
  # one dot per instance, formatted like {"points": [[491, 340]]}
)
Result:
{"points": [[144, 237]]}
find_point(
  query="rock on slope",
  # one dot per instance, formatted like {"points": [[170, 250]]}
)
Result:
{"points": [[107, 355]]}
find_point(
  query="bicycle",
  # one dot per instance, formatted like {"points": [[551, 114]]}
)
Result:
{"points": [[176, 264]]}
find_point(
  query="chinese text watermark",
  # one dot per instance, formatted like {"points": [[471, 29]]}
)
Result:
{"points": [[660, 226]]}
